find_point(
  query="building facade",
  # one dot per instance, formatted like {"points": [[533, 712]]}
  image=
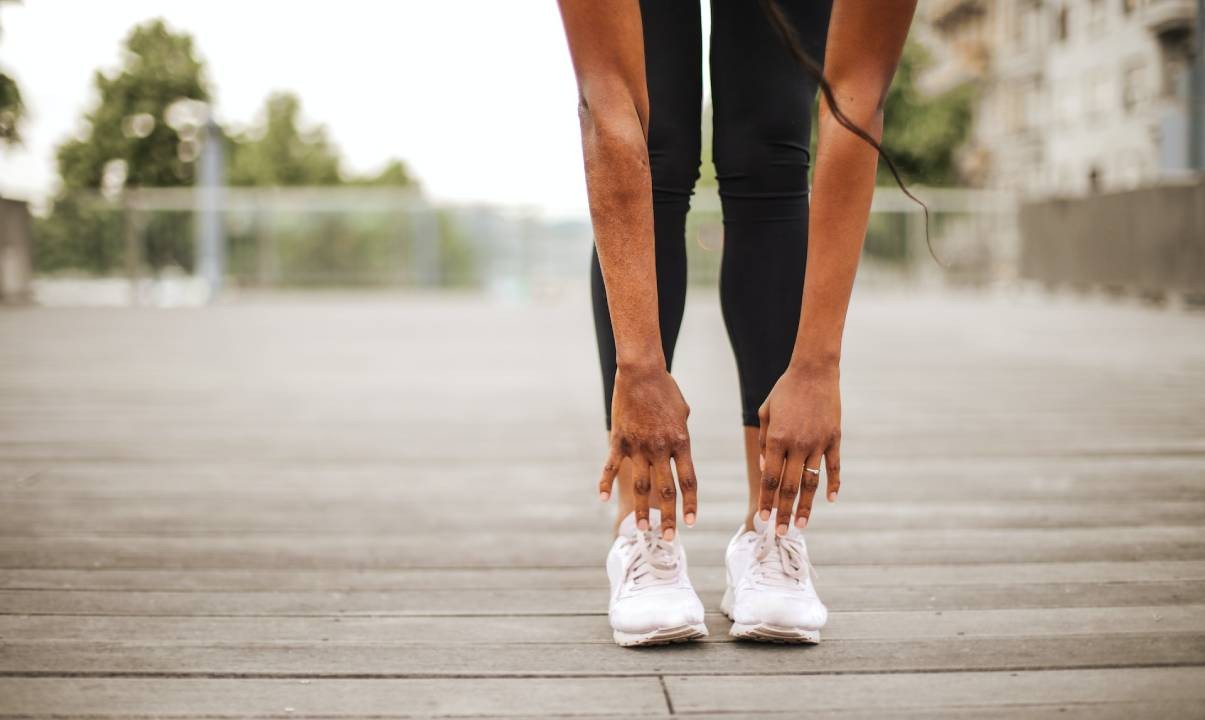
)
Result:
{"points": [[1075, 96]]}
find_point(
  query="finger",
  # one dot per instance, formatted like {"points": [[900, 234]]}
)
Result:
{"points": [[832, 470], [763, 420], [689, 485], [788, 490], [667, 498], [609, 471], [811, 481], [771, 475], [641, 482]]}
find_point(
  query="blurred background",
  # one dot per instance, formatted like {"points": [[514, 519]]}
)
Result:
{"points": [[330, 445], [164, 154]]}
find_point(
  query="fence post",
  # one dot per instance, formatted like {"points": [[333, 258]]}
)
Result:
{"points": [[16, 252], [131, 217], [211, 244]]}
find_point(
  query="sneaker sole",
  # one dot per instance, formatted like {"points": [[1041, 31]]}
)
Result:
{"points": [[775, 634], [763, 632], [663, 636]]}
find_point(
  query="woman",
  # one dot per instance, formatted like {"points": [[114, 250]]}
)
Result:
{"points": [[638, 67]]}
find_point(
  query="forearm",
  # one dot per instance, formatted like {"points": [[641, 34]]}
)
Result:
{"points": [[865, 40], [606, 44], [620, 194], [842, 190]]}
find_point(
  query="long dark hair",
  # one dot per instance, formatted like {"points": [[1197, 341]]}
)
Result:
{"points": [[790, 38]]}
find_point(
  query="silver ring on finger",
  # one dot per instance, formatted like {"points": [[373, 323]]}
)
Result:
{"points": [[814, 471]]}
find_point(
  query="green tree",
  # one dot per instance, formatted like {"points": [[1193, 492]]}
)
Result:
{"points": [[923, 133], [394, 174], [141, 132], [131, 124], [278, 151], [12, 110]]}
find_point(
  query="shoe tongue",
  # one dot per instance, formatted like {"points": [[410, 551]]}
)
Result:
{"points": [[628, 526], [760, 525]]}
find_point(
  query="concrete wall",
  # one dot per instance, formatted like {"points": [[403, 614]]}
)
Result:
{"points": [[1147, 240], [16, 252]]}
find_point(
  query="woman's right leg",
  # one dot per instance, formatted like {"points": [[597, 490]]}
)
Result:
{"points": [[673, 55]]}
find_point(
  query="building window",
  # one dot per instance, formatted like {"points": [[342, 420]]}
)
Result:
{"points": [[1096, 18], [1133, 86], [1062, 25], [1096, 93], [1128, 6]]}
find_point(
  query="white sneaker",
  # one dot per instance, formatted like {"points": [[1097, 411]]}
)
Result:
{"points": [[652, 600], [770, 595]]}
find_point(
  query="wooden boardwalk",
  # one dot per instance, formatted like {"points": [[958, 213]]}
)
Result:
{"points": [[328, 505]]}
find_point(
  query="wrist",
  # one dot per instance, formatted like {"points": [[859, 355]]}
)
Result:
{"points": [[816, 362], [641, 364]]}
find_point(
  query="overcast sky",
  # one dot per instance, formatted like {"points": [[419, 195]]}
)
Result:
{"points": [[476, 95]]}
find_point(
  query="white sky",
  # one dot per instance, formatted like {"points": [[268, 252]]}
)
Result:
{"points": [[477, 96]]}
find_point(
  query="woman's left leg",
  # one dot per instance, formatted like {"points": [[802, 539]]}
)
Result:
{"points": [[762, 103]]}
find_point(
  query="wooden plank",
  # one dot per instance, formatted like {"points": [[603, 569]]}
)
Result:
{"points": [[574, 601], [705, 577], [233, 631], [596, 659], [530, 548], [274, 515], [1165, 710], [963, 691], [156, 697], [943, 479]]}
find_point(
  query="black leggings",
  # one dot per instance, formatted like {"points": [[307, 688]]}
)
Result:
{"points": [[762, 102]]}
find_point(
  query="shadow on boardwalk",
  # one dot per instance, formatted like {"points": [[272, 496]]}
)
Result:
{"points": [[383, 505]]}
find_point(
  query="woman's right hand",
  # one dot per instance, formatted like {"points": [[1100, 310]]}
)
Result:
{"points": [[648, 428]]}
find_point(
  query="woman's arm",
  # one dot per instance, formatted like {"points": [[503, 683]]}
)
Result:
{"points": [[648, 413], [801, 418]]}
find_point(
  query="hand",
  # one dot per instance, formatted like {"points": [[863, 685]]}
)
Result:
{"points": [[800, 423], [648, 427]]}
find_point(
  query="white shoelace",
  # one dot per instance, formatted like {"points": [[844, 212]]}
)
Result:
{"points": [[656, 561], [780, 561]]}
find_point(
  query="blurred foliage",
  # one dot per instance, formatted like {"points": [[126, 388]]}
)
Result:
{"points": [[130, 123], [923, 133], [12, 109], [144, 131], [277, 151]]}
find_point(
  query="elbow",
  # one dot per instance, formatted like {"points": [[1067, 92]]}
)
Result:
{"points": [[861, 103], [611, 109], [613, 135]]}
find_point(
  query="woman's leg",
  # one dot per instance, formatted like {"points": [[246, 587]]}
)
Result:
{"points": [[674, 70], [762, 117]]}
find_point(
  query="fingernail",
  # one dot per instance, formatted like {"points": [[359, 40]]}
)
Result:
{"points": [[765, 514], [604, 496], [642, 524], [782, 530], [668, 534], [690, 519], [801, 523], [832, 497]]}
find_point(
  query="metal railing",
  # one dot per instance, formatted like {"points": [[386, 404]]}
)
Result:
{"points": [[365, 236]]}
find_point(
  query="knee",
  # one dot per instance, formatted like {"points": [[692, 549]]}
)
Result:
{"points": [[673, 158], [771, 152]]}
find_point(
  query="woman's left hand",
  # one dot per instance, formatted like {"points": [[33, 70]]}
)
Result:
{"points": [[800, 424]]}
